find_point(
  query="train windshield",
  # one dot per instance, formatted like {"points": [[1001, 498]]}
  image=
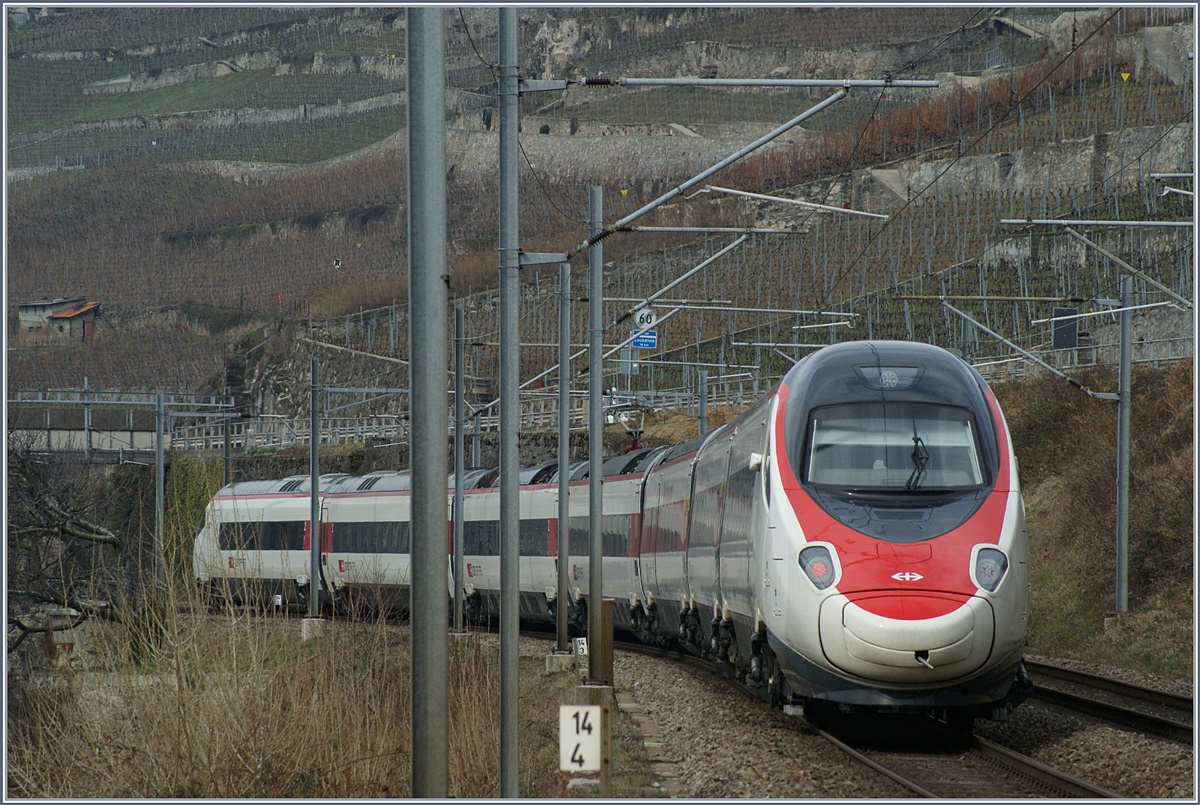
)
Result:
{"points": [[893, 446]]}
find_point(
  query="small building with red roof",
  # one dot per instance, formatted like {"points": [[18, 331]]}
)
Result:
{"points": [[57, 321]]}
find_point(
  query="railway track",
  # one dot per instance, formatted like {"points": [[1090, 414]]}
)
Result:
{"points": [[1153, 712], [926, 758], [937, 764]]}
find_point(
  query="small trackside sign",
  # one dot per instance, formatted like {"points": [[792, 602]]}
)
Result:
{"points": [[579, 737]]}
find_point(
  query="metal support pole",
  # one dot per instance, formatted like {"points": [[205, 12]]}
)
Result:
{"points": [[1123, 397], [476, 440], [1183, 300], [160, 475], [227, 470], [604, 232], [87, 424], [703, 402], [314, 470], [509, 401], [459, 470], [1083, 222], [678, 280], [564, 452], [1030, 356], [426, 92], [595, 427]]}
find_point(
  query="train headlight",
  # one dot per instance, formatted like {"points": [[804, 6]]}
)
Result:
{"points": [[817, 564], [990, 567]]}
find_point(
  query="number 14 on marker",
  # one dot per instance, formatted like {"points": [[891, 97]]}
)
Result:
{"points": [[579, 737]]}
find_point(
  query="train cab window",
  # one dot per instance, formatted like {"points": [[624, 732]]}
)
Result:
{"points": [[893, 446]]}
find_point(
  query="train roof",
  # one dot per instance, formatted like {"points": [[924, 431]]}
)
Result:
{"points": [[539, 473], [901, 370], [293, 484], [577, 470], [482, 478], [475, 479], [682, 448], [380, 482], [626, 463]]}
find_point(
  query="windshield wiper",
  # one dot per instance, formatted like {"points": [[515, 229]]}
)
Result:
{"points": [[920, 458]]}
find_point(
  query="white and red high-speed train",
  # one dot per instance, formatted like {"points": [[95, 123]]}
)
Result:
{"points": [[853, 541]]}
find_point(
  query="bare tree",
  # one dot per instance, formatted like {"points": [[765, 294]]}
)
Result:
{"points": [[59, 553]]}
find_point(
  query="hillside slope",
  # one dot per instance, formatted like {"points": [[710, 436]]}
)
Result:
{"points": [[173, 230]]}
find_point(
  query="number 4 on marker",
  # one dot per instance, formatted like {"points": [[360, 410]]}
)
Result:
{"points": [[579, 742]]}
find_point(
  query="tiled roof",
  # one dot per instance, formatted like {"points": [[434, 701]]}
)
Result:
{"points": [[73, 312]]}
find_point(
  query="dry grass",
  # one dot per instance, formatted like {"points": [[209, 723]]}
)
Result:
{"points": [[235, 705], [1066, 447]]}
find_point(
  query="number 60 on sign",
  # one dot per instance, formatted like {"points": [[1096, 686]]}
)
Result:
{"points": [[579, 737]]}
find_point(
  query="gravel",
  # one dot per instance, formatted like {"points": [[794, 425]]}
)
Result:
{"points": [[722, 744], [706, 740], [1122, 761]]}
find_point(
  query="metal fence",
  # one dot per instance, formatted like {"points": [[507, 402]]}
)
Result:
{"points": [[1155, 352], [539, 410]]}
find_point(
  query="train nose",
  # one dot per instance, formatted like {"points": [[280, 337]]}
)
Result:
{"points": [[870, 637]]}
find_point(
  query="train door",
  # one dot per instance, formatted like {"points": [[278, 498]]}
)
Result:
{"points": [[670, 559], [537, 507], [648, 544], [327, 585], [481, 546], [620, 580], [743, 515], [704, 527]]}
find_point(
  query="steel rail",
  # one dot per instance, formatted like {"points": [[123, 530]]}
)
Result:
{"points": [[1128, 689], [1068, 784], [1041, 776], [1140, 720]]}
